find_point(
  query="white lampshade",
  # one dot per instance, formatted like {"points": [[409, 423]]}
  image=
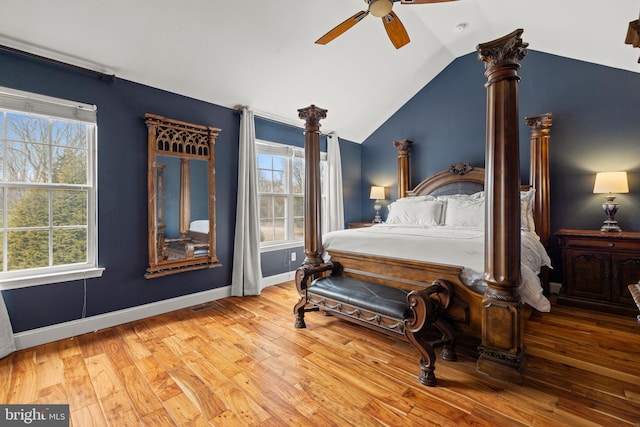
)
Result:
{"points": [[611, 182], [377, 193]]}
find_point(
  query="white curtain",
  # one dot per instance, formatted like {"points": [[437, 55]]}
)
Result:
{"points": [[7, 344], [334, 214], [247, 270]]}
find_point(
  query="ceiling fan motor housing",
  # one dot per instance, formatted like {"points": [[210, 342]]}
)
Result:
{"points": [[380, 8]]}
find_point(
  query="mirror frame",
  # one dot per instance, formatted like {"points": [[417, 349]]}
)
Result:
{"points": [[169, 137]]}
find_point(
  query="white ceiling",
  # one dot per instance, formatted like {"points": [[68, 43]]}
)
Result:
{"points": [[261, 53]]}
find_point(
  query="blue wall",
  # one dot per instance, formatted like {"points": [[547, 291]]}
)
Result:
{"points": [[122, 192], [596, 128]]}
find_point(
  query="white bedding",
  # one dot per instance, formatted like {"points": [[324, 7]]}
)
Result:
{"points": [[463, 246]]}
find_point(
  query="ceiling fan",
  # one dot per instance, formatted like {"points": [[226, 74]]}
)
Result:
{"points": [[380, 9]]}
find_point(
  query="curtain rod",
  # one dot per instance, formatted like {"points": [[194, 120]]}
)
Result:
{"points": [[101, 76], [280, 122]]}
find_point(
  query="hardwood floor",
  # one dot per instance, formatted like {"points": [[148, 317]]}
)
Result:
{"points": [[240, 361]]}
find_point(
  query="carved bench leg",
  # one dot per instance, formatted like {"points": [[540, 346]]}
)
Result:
{"points": [[427, 356], [414, 330], [303, 275], [299, 308]]}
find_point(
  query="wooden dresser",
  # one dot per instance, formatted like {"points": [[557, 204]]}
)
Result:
{"points": [[597, 269]]}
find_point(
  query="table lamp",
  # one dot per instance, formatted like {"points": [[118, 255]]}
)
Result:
{"points": [[377, 194], [611, 182]]}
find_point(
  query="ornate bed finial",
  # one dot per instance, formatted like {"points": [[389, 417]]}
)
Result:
{"points": [[460, 168]]}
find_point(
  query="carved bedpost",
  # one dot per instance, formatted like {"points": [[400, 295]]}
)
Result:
{"points": [[312, 213], [502, 354], [403, 146], [539, 173]]}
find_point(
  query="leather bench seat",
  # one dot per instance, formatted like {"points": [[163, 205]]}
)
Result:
{"points": [[384, 300]]}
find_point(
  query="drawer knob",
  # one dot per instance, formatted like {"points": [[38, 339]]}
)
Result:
{"points": [[610, 244]]}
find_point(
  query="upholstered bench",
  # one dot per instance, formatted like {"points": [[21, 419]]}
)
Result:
{"points": [[394, 311]]}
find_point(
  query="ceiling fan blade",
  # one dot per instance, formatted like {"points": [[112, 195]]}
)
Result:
{"points": [[423, 1], [341, 28], [396, 31]]}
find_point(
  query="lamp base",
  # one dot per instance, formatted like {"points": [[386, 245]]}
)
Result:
{"points": [[610, 226], [378, 218], [610, 208]]}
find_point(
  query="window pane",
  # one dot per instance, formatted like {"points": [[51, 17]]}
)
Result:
{"points": [[1, 157], [266, 206], [69, 166], [27, 249], [298, 228], [69, 134], [298, 206], [280, 207], [279, 163], [27, 162], [265, 179], [265, 161], [69, 246], [27, 207], [266, 230], [279, 185], [21, 127], [69, 207], [279, 230], [1, 251], [297, 176], [1, 213]]}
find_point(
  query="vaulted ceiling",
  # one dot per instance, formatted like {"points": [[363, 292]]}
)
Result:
{"points": [[261, 53]]}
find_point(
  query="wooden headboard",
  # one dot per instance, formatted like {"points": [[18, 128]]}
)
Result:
{"points": [[462, 178]]}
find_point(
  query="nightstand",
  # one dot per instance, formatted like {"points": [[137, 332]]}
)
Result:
{"points": [[360, 224], [597, 269]]}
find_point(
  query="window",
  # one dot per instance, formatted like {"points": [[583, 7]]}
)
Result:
{"points": [[48, 226], [281, 193]]}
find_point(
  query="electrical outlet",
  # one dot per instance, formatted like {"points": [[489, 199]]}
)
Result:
{"points": [[293, 256]]}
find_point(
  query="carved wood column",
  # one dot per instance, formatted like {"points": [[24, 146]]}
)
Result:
{"points": [[539, 173], [312, 195], [502, 354], [403, 146]]}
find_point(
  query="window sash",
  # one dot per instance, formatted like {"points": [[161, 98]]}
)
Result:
{"points": [[292, 221], [54, 110]]}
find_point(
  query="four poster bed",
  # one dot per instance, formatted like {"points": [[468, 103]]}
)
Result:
{"points": [[495, 313], [436, 231]]}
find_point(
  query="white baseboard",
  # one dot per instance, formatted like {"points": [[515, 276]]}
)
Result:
{"points": [[278, 278], [74, 328]]}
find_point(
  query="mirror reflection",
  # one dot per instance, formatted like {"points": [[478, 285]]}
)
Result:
{"points": [[181, 196]]}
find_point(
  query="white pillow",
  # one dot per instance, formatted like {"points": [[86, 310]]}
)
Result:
{"points": [[200, 226], [464, 212], [415, 199], [474, 196], [425, 212], [526, 210]]}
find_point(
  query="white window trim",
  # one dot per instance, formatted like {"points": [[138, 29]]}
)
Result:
{"points": [[26, 102], [279, 149]]}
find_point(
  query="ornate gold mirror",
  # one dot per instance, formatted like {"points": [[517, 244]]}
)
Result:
{"points": [[181, 189]]}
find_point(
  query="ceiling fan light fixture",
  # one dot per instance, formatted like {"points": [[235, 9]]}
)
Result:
{"points": [[380, 8]]}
